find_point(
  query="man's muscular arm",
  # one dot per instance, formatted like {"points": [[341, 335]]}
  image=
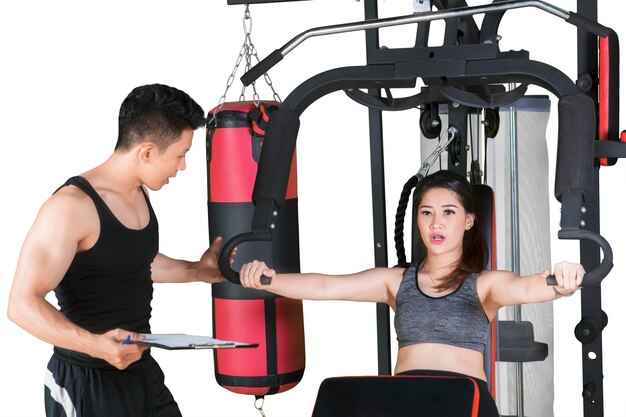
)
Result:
{"points": [[67, 221], [166, 269]]}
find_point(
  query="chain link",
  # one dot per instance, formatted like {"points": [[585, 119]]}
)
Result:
{"points": [[229, 82], [247, 30], [247, 51]]}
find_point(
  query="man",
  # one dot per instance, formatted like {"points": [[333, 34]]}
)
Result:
{"points": [[95, 243]]}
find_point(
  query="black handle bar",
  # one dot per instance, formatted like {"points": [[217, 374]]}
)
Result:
{"points": [[224, 259], [595, 276]]}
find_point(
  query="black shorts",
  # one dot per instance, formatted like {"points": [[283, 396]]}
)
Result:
{"points": [[486, 405], [408, 394], [78, 390]]}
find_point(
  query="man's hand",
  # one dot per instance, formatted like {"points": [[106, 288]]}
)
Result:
{"points": [[116, 347], [166, 269], [208, 268]]}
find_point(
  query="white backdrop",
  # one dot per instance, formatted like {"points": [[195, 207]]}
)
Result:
{"points": [[65, 67]]}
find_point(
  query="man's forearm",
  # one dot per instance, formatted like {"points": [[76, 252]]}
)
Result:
{"points": [[166, 269], [38, 317]]}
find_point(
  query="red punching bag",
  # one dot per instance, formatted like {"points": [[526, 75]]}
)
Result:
{"points": [[234, 143]]}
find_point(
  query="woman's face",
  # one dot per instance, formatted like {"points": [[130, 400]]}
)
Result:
{"points": [[442, 222]]}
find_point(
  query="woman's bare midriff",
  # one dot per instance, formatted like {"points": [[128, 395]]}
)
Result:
{"points": [[441, 357]]}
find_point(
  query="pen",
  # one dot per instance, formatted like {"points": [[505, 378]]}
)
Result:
{"points": [[127, 341]]}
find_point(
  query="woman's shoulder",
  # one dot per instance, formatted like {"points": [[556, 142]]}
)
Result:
{"points": [[487, 278], [494, 273], [392, 276], [395, 272]]}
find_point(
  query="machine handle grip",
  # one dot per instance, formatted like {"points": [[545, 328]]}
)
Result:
{"points": [[262, 67], [224, 258], [587, 24], [595, 276]]}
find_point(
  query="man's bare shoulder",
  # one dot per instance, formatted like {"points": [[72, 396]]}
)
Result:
{"points": [[68, 200], [64, 225], [70, 211]]}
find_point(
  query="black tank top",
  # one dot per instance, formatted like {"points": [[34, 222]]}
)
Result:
{"points": [[109, 285]]}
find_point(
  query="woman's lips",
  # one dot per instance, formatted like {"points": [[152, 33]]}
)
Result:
{"points": [[437, 239]]}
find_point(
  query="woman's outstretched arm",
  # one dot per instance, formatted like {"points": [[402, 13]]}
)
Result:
{"points": [[376, 285], [503, 288]]}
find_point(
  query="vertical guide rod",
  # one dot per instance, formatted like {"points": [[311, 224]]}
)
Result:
{"points": [[383, 323], [515, 251]]}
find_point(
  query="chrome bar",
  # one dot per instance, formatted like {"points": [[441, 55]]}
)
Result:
{"points": [[515, 247], [422, 17]]}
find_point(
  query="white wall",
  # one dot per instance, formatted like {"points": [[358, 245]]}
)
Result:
{"points": [[65, 67]]}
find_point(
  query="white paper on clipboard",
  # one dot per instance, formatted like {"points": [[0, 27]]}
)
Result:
{"points": [[185, 341]]}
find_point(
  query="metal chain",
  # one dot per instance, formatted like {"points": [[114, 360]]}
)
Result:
{"points": [[247, 46], [229, 82], [259, 405], [248, 51]]}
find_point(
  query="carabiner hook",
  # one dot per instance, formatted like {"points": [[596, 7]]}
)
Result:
{"points": [[247, 21]]}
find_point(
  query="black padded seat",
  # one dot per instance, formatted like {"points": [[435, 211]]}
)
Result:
{"points": [[397, 396]]}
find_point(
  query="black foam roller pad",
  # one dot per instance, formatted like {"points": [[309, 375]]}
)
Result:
{"points": [[262, 67], [588, 25], [275, 162], [575, 153]]}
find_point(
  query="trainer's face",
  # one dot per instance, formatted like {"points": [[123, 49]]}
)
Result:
{"points": [[166, 164]]}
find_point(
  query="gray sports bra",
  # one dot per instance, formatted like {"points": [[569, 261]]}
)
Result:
{"points": [[456, 319]]}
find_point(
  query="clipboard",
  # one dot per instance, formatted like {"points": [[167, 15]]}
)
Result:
{"points": [[180, 341]]}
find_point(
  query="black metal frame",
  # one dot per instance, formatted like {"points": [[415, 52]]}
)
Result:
{"points": [[232, 2], [591, 307], [591, 297], [591, 310], [468, 61]]}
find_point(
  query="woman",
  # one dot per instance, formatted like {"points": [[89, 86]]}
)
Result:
{"points": [[444, 304]]}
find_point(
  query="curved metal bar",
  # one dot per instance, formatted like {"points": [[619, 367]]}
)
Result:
{"points": [[345, 78], [405, 75], [389, 103], [499, 7], [422, 17], [494, 100], [595, 276], [521, 72]]}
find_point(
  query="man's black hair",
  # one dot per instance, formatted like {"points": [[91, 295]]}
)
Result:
{"points": [[156, 113]]}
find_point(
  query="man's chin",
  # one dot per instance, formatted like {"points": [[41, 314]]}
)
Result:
{"points": [[154, 187]]}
